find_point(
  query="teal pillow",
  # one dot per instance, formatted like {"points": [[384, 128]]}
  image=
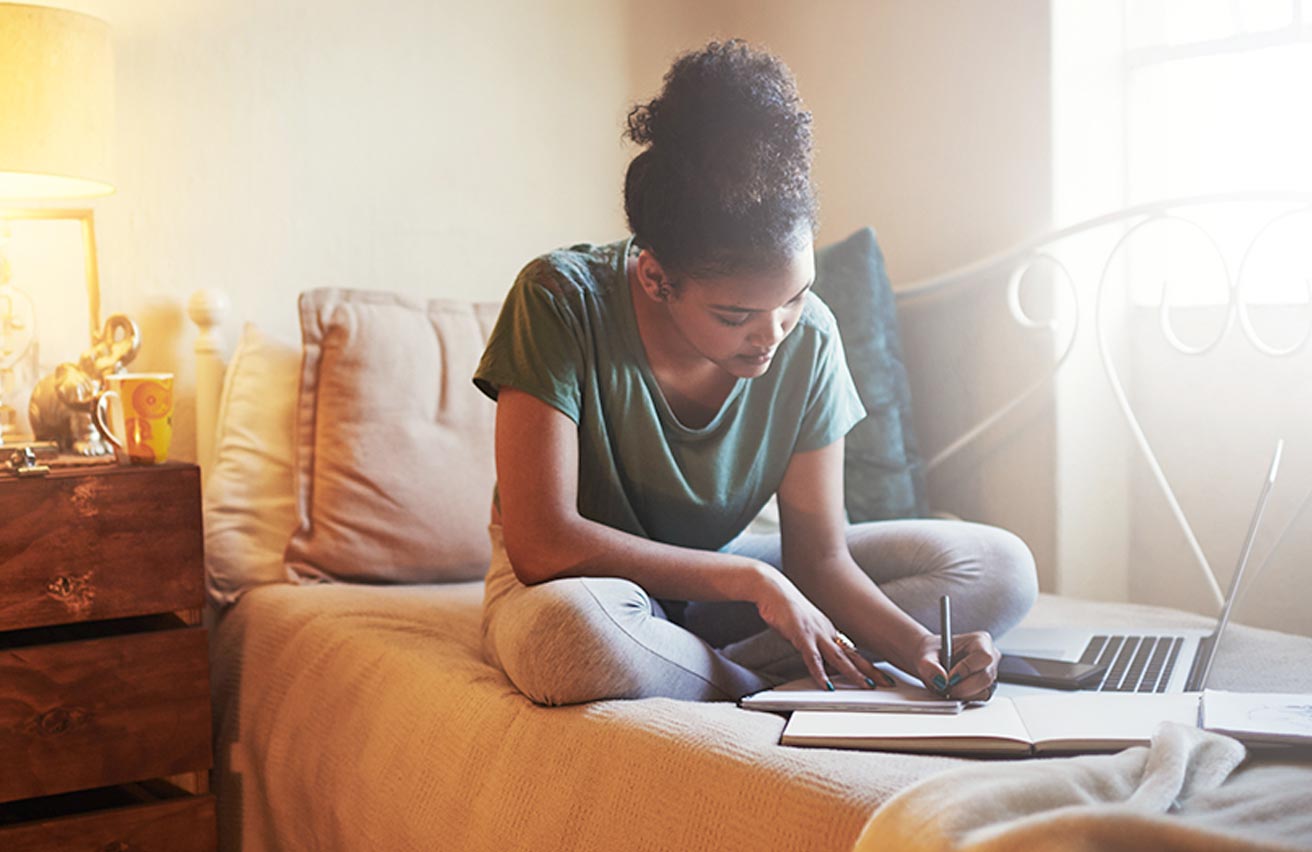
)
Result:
{"points": [[883, 473]]}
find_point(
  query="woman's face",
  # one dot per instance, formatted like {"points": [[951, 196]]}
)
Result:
{"points": [[738, 321]]}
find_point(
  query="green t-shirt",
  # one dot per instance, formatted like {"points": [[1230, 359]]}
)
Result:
{"points": [[567, 334]]}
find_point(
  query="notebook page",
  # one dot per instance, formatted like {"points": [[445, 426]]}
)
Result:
{"points": [[1101, 721], [1262, 717]]}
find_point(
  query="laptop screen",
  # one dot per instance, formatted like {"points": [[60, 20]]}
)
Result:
{"points": [[1198, 678]]}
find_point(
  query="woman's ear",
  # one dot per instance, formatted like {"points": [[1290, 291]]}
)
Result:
{"points": [[653, 278]]}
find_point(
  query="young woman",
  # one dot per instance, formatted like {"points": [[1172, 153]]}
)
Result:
{"points": [[652, 394]]}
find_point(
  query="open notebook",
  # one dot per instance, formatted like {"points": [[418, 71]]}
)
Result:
{"points": [[1261, 718], [1023, 725]]}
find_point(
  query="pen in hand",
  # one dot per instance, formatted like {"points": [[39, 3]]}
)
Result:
{"points": [[945, 635]]}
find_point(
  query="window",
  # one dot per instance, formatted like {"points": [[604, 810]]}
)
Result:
{"points": [[1215, 95]]}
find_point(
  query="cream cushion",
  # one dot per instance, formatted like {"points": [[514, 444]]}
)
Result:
{"points": [[250, 509], [394, 462]]}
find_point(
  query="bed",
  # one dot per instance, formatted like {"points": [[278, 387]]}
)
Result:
{"points": [[353, 709]]}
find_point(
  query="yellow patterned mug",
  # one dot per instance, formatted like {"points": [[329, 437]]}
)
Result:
{"points": [[146, 401]]}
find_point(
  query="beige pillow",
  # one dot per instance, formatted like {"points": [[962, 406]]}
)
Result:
{"points": [[250, 508], [394, 463]]}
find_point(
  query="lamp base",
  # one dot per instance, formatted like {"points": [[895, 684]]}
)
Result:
{"points": [[9, 433]]}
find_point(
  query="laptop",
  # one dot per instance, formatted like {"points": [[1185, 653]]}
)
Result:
{"points": [[1149, 660]]}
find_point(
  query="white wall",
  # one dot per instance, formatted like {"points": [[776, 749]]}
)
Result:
{"points": [[430, 147], [1093, 469]]}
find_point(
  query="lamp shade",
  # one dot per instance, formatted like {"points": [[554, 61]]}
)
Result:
{"points": [[56, 103]]}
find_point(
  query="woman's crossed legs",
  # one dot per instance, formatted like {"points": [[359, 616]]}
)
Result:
{"points": [[582, 639]]}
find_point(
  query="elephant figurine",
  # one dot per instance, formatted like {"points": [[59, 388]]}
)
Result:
{"points": [[62, 402]]}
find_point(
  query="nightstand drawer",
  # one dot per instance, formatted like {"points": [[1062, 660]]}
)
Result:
{"points": [[77, 547], [100, 711], [178, 824]]}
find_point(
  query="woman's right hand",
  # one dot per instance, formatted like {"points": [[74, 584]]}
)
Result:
{"points": [[785, 609]]}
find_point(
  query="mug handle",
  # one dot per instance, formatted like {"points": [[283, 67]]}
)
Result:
{"points": [[98, 415]]}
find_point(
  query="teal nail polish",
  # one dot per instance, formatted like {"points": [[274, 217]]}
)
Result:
{"points": [[829, 686], [956, 679], [870, 682], [940, 682]]}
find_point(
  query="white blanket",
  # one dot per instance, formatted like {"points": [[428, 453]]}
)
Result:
{"points": [[1188, 790]]}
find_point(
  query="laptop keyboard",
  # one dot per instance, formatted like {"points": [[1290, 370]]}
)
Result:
{"points": [[1134, 663]]}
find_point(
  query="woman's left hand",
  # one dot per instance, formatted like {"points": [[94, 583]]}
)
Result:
{"points": [[973, 671]]}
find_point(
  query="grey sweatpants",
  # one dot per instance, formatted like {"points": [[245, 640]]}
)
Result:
{"points": [[581, 639]]}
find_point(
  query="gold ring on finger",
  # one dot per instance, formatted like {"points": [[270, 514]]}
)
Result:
{"points": [[841, 640]]}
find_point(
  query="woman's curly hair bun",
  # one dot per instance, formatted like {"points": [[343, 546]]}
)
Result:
{"points": [[724, 182]]}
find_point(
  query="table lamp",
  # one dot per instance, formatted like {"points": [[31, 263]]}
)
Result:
{"points": [[56, 117]]}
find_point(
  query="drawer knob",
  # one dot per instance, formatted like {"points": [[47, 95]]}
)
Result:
{"points": [[74, 591], [116, 846]]}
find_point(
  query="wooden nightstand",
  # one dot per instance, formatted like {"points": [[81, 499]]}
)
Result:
{"points": [[104, 670]]}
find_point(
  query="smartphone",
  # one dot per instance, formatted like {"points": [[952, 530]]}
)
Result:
{"points": [[1054, 674]]}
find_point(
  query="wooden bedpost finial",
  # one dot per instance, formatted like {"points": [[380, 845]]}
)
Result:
{"points": [[207, 309]]}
